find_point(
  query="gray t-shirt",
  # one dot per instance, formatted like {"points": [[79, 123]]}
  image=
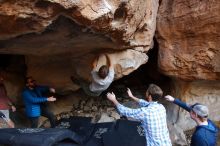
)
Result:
{"points": [[98, 84]]}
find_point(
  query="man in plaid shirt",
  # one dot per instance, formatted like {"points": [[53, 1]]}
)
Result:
{"points": [[151, 114]]}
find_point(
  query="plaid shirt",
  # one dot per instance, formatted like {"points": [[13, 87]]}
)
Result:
{"points": [[153, 119]]}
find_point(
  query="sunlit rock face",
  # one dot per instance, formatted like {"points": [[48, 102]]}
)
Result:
{"points": [[59, 36], [127, 23], [189, 49], [188, 37], [189, 53]]}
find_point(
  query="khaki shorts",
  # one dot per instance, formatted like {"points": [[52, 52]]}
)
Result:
{"points": [[6, 113]]}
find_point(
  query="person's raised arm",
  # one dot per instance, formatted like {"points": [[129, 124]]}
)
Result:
{"points": [[125, 111], [109, 63], [141, 102], [112, 98], [178, 102], [94, 63], [132, 96]]}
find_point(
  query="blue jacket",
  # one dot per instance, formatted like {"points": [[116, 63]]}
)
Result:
{"points": [[204, 135], [32, 100]]}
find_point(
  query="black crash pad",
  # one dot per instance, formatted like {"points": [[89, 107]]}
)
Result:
{"points": [[36, 136], [82, 126], [79, 125], [126, 133], [80, 132], [67, 143], [99, 130]]}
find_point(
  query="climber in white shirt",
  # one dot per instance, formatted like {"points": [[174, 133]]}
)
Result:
{"points": [[101, 79]]}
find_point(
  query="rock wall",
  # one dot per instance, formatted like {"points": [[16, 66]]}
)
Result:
{"points": [[188, 37], [56, 71], [189, 53], [129, 23], [60, 37], [205, 92]]}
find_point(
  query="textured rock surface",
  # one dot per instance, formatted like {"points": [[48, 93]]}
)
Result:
{"points": [[56, 35], [188, 37], [205, 92], [189, 52], [127, 23], [56, 71]]}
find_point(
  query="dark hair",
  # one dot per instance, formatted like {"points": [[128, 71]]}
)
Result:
{"points": [[155, 92], [103, 71], [27, 78]]}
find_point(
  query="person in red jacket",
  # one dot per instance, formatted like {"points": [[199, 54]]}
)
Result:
{"points": [[5, 103]]}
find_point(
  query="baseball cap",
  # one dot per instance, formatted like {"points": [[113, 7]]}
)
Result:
{"points": [[200, 110]]}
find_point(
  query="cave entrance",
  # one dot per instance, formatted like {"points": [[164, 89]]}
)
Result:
{"points": [[12, 63], [146, 74]]}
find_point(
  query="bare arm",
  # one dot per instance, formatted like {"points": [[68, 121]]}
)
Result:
{"points": [[141, 102], [109, 63], [112, 98], [94, 63], [131, 95]]}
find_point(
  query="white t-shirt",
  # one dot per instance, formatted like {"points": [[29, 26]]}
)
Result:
{"points": [[98, 84]]}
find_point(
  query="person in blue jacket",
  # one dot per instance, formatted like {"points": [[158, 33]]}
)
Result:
{"points": [[32, 96], [206, 132]]}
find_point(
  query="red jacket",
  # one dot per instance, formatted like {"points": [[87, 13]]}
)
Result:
{"points": [[4, 100]]}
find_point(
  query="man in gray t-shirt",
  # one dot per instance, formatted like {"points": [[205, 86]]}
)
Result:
{"points": [[101, 79]]}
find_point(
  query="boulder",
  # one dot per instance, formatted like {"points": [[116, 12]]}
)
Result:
{"points": [[188, 37]]}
